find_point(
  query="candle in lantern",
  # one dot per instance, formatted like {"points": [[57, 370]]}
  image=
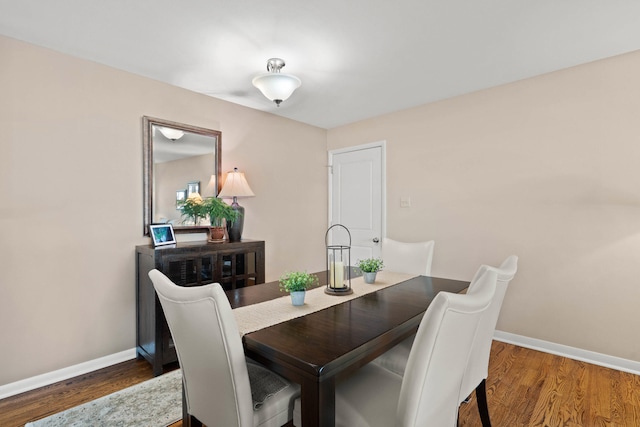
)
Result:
{"points": [[336, 274]]}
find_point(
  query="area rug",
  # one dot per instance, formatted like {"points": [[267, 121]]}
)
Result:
{"points": [[153, 403]]}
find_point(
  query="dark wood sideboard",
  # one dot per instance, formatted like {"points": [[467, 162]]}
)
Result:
{"points": [[232, 264]]}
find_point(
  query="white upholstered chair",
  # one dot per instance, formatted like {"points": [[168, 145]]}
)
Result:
{"points": [[217, 379], [402, 257], [428, 395], [477, 370]]}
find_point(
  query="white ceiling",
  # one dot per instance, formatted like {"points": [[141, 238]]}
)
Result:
{"points": [[356, 58]]}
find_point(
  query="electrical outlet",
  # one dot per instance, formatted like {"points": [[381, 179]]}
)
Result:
{"points": [[405, 202]]}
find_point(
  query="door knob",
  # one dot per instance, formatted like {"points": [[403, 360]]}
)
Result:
{"points": [[376, 240]]}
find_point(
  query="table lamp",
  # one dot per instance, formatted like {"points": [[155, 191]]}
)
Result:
{"points": [[236, 186]]}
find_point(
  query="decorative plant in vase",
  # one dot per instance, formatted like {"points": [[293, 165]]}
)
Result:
{"points": [[297, 283], [218, 212], [193, 208], [369, 268]]}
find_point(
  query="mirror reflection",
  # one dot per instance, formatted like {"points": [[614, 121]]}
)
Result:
{"points": [[179, 159]]}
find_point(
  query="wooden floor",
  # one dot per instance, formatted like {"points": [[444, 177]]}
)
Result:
{"points": [[525, 388]]}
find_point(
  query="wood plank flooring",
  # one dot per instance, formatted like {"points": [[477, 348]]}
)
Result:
{"points": [[531, 388], [525, 388]]}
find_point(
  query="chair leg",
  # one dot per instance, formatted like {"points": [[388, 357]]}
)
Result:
{"points": [[481, 396], [187, 419], [194, 422]]}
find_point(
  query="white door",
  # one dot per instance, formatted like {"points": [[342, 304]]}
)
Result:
{"points": [[356, 196]]}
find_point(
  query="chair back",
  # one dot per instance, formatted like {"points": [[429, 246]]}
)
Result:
{"points": [[412, 258], [437, 361], [478, 367], [207, 340]]}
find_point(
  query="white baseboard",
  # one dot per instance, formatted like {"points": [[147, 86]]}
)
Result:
{"points": [[592, 357], [599, 359], [38, 381]]}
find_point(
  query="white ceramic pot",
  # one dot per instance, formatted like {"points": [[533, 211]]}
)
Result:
{"points": [[297, 297], [370, 277]]}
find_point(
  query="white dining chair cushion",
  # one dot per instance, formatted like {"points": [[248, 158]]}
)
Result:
{"points": [[370, 394], [211, 356], [277, 410], [402, 257], [396, 358]]}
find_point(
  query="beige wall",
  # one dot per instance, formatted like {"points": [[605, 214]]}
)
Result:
{"points": [[71, 191], [547, 169]]}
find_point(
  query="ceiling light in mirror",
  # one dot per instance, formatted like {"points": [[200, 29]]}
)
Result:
{"points": [[172, 134]]}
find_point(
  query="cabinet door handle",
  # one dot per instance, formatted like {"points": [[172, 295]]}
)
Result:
{"points": [[376, 240]]}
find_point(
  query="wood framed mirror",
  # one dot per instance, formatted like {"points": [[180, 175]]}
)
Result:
{"points": [[175, 157]]}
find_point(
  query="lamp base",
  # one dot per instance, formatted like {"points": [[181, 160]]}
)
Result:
{"points": [[234, 229]]}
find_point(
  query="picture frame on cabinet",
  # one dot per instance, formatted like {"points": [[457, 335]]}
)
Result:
{"points": [[162, 234]]}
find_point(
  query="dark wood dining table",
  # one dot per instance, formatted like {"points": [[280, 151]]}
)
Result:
{"points": [[319, 349]]}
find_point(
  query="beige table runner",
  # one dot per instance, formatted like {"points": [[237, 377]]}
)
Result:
{"points": [[254, 317]]}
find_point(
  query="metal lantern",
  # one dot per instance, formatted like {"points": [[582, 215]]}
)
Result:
{"points": [[338, 263]]}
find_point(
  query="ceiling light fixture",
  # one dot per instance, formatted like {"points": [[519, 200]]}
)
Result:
{"points": [[275, 85]]}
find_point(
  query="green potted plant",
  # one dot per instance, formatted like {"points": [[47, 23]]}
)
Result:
{"points": [[296, 283], [193, 208], [218, 212], [369, 268]]}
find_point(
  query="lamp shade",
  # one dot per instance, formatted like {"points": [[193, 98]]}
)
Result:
{"points": [[274, 85], [277, 87], [236, 185]]}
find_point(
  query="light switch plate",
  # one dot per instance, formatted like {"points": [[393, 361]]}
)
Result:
{"points": [[405, 202]]}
